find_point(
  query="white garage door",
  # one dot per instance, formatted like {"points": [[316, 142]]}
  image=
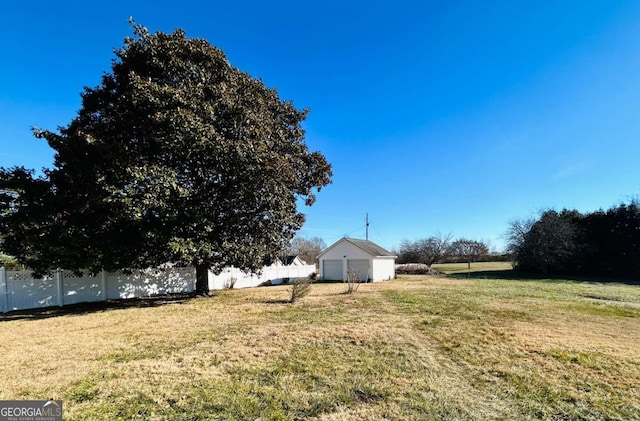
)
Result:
{"points": [[332, 270], [360, 268]]}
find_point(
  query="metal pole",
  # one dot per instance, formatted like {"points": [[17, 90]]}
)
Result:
{"points": [[367, 225]]}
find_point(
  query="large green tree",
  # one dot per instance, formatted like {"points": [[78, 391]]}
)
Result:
{"points": [[177, 156], [600, 243], [550, 244]]}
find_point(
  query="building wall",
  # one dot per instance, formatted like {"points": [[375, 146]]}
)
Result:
{"points": [[342, 251], [384, 269], [345, 250], [381, 268]]}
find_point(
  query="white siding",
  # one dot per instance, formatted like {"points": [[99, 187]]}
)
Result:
{"points": [[384, 269], [345, 250], [352, 256]]}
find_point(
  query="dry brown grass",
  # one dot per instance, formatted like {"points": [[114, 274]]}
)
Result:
{"points": [[413, 348]]}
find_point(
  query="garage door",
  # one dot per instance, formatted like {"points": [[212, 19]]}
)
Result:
{"points": [[332, 270], [360, 268]]}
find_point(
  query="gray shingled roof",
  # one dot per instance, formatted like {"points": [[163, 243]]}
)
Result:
{"points": [[370, 247]]}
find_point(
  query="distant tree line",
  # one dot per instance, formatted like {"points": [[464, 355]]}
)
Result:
{"points": [[601, 243], [441, 248]]}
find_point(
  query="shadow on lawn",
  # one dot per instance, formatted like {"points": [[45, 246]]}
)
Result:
{"points": [[510, 274], [99, 306], [274, 301]]}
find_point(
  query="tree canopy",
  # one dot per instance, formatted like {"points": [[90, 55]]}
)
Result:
{"points": [[428, 251], [440, 248], [469, 250], [177, 156], [307, 249], [601, 243], [549, 243]]}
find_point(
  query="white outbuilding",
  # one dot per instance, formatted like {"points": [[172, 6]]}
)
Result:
{"points": [[367, 261]]}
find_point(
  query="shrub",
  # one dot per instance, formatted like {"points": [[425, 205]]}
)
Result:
{"points": [[352, 282], [300, 287]]}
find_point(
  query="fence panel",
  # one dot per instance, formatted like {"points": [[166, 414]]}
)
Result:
{"points": [[178, 280], [274, 274], [19, 290], [278, 274], [24, 291], [232, 277], [146, 283], [81, 289]]}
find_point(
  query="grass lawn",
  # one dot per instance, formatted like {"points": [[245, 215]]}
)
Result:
{"points": [[417, 347], [449, 268]]}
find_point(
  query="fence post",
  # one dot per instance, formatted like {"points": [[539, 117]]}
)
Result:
{"points": [[5, 289], [58, 279], [104, 285]]}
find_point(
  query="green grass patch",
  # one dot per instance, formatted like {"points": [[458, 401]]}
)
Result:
{"points": [[586, 359], [605, 310]]}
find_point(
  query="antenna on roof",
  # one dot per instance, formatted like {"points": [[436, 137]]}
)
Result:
{"points": [[367, 225]]}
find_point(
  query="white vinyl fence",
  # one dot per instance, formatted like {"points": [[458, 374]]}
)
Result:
{"points": [[235, 277], [20, 291]]}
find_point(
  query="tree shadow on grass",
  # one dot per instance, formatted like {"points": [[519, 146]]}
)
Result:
{"points": [[510, 274], [275, 301], [95, 307]]}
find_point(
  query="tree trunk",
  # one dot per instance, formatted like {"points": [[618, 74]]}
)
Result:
{"points": [[202, 279]]}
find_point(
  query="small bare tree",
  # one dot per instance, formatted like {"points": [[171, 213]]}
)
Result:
{"points": [[306, 249], [517, 233], [300, 287], [353, 281], [469, 251]]}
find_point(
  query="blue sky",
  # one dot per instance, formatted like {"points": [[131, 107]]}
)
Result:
{"points": [[451, 116]]}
